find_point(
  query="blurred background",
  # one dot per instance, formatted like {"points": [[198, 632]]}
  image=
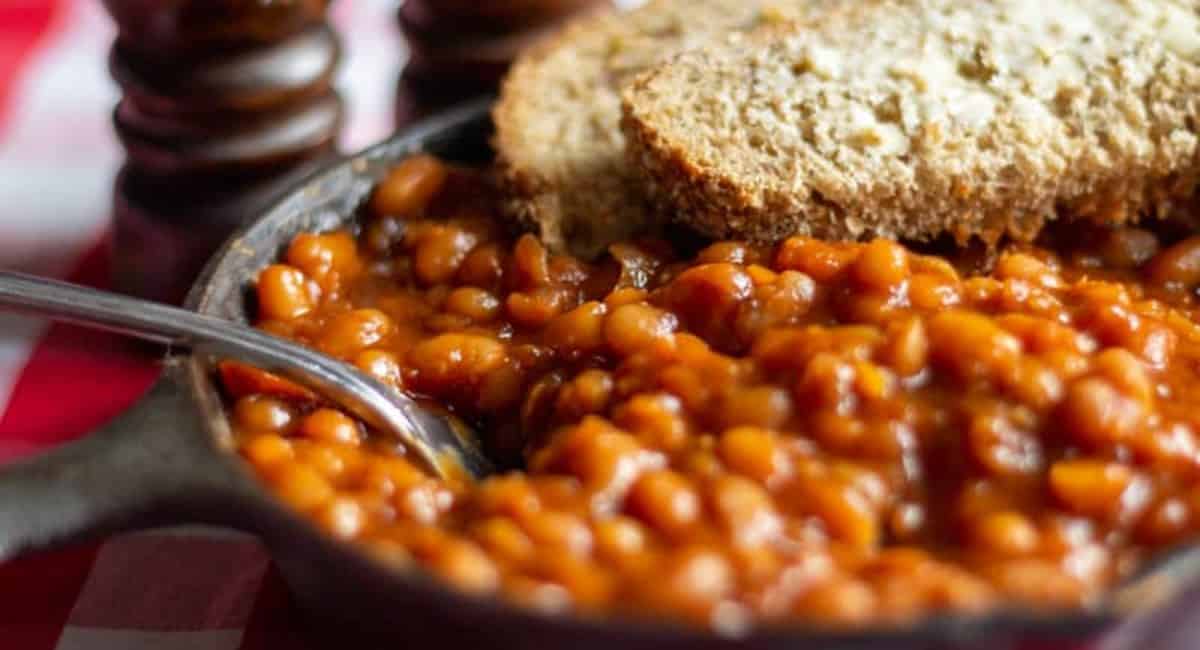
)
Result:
{"points": [[58, 154]]}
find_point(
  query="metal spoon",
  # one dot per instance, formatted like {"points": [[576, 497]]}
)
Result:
{"points": [[442, 442]]}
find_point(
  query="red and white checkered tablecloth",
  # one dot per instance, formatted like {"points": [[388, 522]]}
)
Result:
{"points": [[180, 589]]}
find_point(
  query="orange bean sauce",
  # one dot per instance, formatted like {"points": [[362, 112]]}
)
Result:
{"points": [[835, 433]]}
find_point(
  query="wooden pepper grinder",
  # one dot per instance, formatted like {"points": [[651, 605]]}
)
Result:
{"points": [[459, 49], [225, 103]]}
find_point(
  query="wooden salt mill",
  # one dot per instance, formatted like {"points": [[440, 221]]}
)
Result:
{"points": [[225, 104], [459, 49]]}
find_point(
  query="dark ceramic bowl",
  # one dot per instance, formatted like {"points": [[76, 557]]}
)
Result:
{"points": [[170, 460]]}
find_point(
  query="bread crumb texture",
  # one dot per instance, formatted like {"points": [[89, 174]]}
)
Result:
{"points": [[914, 118], [560, 151]]}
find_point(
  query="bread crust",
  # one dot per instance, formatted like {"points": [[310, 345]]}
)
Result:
{"points": [[531, 195], [561, 164], [1094, 164]]}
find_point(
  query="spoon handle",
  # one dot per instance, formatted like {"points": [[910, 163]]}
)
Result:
{"points": [[99, 309], [427, 436], [150, 321]]}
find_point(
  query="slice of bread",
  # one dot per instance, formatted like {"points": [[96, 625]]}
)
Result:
{"points": [[913, 118], [560, 151]]}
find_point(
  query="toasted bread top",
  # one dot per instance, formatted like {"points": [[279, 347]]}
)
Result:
{"points": [[560, 150], [913, 118]]}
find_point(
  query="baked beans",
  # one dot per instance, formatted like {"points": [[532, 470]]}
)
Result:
{"points": [[835, 433]]}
